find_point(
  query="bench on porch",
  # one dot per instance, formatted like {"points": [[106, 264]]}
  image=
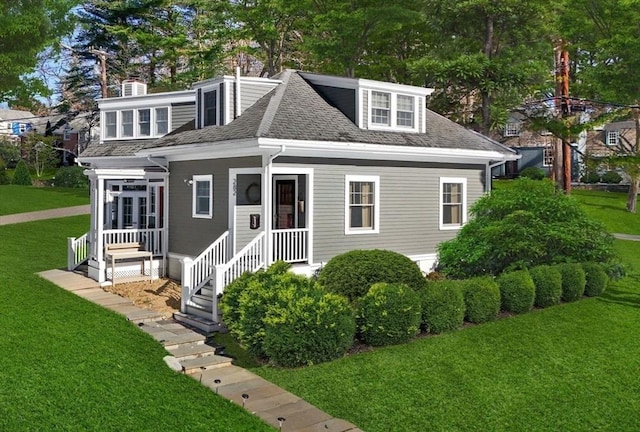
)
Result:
{"points": [[116, 251]]}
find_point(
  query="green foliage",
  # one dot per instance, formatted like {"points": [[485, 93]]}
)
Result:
{"points": [[482, 299], [71, 177], [351, 274], [388, 314], [548, 283], [21, 175], [443, 307], [533, 173], [4, 175], [590, 178], [517, 291], [523, 226], [611, 177], [596, 279], [573, 281], [9, 153], [307, 327]]}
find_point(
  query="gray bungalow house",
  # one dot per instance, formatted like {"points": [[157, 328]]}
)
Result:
{"points": [[299, 167]]}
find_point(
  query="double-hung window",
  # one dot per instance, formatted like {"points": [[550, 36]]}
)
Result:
{"points": [[389, 110], [211, 108], [512, 129], [126, 123], [144, 122], [162, 121], [362, 204], [612, 138], [453, 202], [202, 196], [381, 108], [547, 156], [111, 124], [405, 113]]}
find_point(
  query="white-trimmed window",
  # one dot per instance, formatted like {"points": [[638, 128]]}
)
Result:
{"points": [[381, 108], [202, 196], [453, 202], [126, 123], [66, 134], [389, 110], [406, 113], [144, 122], [211, 108], [111, 124], [362, 204], [612, 138], [547, 156], [512, 129], [162, 121]]}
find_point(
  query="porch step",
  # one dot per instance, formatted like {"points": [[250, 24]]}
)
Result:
{"points": [[199, 311], [202, 364], [203, 301], [207, 291], [192, 351], [201, 323], [176, 341]]}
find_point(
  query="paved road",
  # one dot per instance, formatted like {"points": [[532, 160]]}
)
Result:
{"points": [[45, 214]]}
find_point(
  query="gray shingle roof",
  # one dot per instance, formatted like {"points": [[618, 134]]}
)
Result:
{"points": [[295, 110]]}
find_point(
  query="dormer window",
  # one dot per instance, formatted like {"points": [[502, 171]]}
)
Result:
{"points": [[136, 123], [612, 138], [144, 122], [127, 123], [391, 110], [111, 124], [512, 129], [210, 108]]}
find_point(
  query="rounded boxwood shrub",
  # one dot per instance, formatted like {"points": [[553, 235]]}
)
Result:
{"points": [[596, 279], [71, 177], [590, 178], [308, 328], [573, 281], [443, 306], [534, 173], [388, 314], [548, 283], [351, 274], [517, 291], [611, 177], [482, 299], [21, 175]]}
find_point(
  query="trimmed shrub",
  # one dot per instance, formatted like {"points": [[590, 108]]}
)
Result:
{"points": [[71, 177], [352, 274], [517, 291], [4, 175], [573, 281], [21, 175], [308, 328], [388, 314], [590, 178], [548, 283], [596, 279], [611, 177], [534, 173], [443, 306], [482, 299]]}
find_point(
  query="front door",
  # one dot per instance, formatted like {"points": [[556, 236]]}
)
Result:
{"points": [[285, 216]]}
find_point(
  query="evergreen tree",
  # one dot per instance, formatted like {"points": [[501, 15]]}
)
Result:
{"points": [[21, 175]]}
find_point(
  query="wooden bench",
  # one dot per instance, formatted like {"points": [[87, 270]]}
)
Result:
{"points": [[116, 251]]}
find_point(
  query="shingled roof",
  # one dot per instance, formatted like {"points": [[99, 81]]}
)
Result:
{"points": [[294, 110]]}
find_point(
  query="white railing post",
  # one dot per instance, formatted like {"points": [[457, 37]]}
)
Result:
{"points": [[71, 253], [187, 268]]}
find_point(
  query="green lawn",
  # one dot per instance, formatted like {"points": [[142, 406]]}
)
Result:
{"points": [[69, 365], [610, 209], [19, 199]]}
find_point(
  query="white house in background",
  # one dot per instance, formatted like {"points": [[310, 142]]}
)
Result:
{"points": [[13, 123], [299, 167]]}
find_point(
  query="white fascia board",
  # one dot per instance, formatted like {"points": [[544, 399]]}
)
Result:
{"points": [[145, 101], [117, 162], [395, 88], [205, 150], [382, 152], [231, 78]]}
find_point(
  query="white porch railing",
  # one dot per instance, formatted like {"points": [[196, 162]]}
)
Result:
{"points": [[152, 238], [77, 251], [249, 259], [290, 245], [196, 272]]}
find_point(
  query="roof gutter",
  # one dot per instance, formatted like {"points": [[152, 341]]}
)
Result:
{"points": [[156, 163]]}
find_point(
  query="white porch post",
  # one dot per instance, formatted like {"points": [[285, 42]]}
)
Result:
{"points": [[267, 205], [97, 266]]}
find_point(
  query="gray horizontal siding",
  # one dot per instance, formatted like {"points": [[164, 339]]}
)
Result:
{"points": [[244, 234], [250, 93], [188, 235], [182, 113], [409, 208]]}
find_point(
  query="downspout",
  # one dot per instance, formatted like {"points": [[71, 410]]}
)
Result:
{"points": [[490, 168], [268, 205], [157, 164], [238, 99]]}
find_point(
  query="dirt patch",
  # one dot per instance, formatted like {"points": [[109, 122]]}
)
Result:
{"points": [[161, 295]]}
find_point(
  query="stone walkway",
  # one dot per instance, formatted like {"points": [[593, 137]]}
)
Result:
{"points": [[190, 354], [45, 214], [626, 236]]}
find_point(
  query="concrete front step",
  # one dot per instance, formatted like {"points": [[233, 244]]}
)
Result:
{"points": [[204, 324], [203, 364], [174, 341], [192, 351]]}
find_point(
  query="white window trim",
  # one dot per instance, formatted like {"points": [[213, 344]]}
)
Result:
{"points": [[201, 178], [515, 131], [136, 123], [376, 204], [546, 150], [463, 181], [615, 135], [393, 112], [208, 89]]}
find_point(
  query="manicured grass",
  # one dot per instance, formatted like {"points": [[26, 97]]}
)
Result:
{"points": [[610, 209], [571, 367], [69, 365], [19, 199]]}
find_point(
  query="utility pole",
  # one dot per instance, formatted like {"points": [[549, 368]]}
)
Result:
{"points": [[102, 55], [562, 149]]}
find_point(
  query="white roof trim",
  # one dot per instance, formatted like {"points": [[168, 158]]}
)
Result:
{"points": [[145, 101]]}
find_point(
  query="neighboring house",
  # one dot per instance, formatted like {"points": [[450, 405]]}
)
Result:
{"points": [[13, 123], [300, 167]]}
